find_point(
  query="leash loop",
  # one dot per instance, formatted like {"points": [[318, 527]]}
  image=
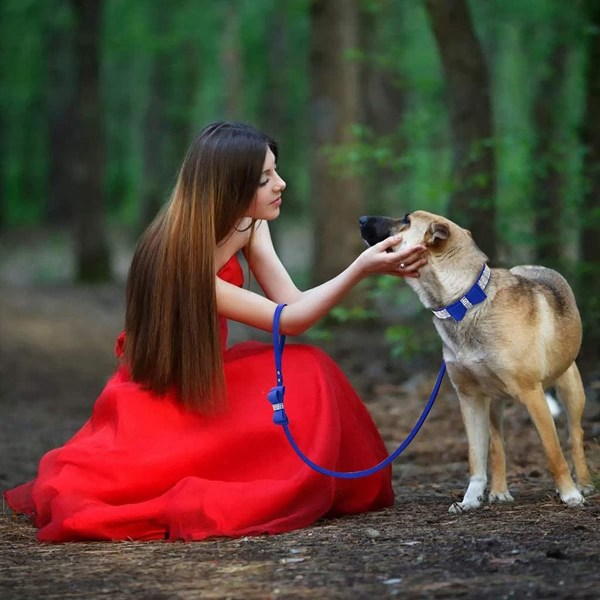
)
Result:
{"points": [[276, 398]]}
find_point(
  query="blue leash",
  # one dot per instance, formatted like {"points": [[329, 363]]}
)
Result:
{"points": [[276, 395]]}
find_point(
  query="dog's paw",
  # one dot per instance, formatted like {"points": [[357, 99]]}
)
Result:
{"points": [[587, 489], [458, 508], [573, 498], [500, 497]]}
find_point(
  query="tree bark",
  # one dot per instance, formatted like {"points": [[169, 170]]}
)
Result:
{"points": [[589, 287], [384, 102], [87, 165], [336, 196], [472, 203], [60, 107]]}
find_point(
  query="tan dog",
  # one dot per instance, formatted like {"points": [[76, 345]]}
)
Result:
{"points": [[516, 333]]}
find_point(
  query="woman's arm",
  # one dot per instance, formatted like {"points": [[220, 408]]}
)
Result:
{"points": [[267, 268], [304, 308]]}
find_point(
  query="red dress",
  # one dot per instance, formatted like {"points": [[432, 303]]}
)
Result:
{"points": [[143, 468]]}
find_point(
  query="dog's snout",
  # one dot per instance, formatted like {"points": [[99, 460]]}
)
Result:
{"points": [[374, 229]]}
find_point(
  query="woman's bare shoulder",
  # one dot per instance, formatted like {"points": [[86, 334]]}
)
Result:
{"points": [[236, 241]]}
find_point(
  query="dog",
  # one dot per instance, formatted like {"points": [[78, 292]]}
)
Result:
{"points": [[506, 334]]}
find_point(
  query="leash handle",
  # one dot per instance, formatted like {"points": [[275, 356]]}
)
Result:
{"points": [[276, 397]]}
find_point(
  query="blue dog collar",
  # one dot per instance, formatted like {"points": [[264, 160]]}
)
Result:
{"points": [[457, 310]]}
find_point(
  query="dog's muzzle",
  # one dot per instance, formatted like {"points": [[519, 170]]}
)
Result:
{"points": [[375, 229]]}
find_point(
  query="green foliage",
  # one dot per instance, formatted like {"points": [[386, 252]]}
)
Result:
{"points": [[22, 104], [404, 341], [163, 69], [409, 163], [342, 314], [410, 333]]}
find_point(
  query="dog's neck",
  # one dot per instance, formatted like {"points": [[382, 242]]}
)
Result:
{"points": [[446, 278]]}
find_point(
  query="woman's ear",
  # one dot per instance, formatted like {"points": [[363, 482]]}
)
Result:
{"points": [[436, 232]]}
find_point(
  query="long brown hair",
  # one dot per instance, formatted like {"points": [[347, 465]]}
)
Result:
{"points": [[171, 321]]}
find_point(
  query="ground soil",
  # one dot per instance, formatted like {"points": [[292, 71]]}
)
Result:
{"points": [[56, 353]]}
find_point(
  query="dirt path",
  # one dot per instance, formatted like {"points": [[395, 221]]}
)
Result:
{"points": [[55, 354]]}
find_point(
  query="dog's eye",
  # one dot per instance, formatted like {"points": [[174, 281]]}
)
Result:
{"points": [[406, 219]]}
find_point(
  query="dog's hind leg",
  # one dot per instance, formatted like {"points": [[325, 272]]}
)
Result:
{"points": [[476, 417], [571, 393], [536, 404], [498, 489]]}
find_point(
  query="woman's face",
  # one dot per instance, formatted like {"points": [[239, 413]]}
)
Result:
{"points": [[267, 200]]}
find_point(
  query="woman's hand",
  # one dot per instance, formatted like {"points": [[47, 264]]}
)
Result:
{"points": [[403, 263]]}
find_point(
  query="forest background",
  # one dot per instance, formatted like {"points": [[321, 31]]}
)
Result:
{"points": [[486, 111]]}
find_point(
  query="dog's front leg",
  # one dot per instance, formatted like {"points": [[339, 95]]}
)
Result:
{"points": [[537, 406], [476, 416]]}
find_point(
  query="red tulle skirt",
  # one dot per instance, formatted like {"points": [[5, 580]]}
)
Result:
{"points": [[142, 467]]}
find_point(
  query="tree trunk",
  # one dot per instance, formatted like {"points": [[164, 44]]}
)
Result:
{"points": [[87, 165], [589, 288], [60, 107], [384, 102], [336, 197], [548, 161], [472, 203]]}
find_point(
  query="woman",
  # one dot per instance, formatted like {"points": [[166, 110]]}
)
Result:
{"points": [[180, 444]]}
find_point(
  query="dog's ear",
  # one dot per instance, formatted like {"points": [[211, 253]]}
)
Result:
{"points": [[436, 232]]}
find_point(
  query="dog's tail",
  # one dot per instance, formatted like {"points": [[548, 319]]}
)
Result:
{"points": [[553, 405]]}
